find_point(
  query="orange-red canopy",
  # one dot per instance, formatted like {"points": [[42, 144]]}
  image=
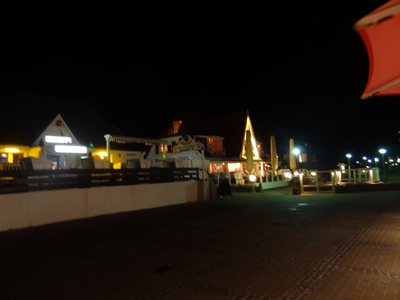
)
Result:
{"points": [[380, 32]]}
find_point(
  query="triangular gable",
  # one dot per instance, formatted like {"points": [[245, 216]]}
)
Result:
{"points": [[57, 127], [35, 111], [253, 141]]}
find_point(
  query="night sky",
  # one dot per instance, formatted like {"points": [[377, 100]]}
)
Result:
{"points": [[299, 68]]}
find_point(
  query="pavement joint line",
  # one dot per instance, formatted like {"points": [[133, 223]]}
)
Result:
{"points": [[369, 271]]}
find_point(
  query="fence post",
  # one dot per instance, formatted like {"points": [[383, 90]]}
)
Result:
{"points": [[301, 176]]}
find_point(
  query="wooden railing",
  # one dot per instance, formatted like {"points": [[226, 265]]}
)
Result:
{"points": [[17, 181]]}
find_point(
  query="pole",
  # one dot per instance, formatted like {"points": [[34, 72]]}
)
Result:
{"points": [[384, 167], [203, 175], [383, 151], [107, 137]]}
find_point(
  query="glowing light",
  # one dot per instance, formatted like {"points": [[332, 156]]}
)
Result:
{"points": [[313, 173], [70, 149], [348, 157], [102, 154], [58, 139], [383, 151], [234, 167], [256, 153], [252, 178], [288, 175], [11, 150]]}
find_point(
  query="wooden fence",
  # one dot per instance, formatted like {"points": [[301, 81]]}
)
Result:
{"points": [[18, 181]]}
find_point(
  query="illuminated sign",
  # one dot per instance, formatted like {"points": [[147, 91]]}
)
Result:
{"points": [[186, 143], [58, 139], [70, 149]]}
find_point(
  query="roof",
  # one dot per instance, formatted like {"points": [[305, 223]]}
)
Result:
{"points": [[229, 126], [28, 114]]}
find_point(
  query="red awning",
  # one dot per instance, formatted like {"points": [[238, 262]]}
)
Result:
{"points": [[380, 32]]}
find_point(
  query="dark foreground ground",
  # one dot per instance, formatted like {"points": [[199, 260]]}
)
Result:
{"points": [[266, 245]]}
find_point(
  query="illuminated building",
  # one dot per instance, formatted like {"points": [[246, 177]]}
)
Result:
{"points": [[225, 139], [60, 130]]}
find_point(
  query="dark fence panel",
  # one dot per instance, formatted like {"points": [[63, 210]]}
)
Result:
{"points": [[17, 181]]}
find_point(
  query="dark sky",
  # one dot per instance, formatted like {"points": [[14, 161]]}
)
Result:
{"points": [[298, 67]]}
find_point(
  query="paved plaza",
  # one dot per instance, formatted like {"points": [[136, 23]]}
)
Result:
{"points": [[261, 245]]}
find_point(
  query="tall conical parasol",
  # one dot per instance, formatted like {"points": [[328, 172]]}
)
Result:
{"points": [[249, 153], [292, 157], [273, 153]]}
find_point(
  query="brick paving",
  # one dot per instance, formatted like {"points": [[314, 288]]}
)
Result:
{"points": [[264, 246]]}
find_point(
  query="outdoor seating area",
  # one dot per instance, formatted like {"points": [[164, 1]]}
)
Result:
{"points": [[340, 181]]}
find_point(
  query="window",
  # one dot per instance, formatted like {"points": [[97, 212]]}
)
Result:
{"points": [[177, 124], [214, 146]]}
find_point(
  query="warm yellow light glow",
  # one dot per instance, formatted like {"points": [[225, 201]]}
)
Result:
{"points": [[234, 167], [252, 178], [102, 154], [261, 169], [287, 175], [70, 149], [58, 139], [313, 173], [255, 149], [11, 150]]}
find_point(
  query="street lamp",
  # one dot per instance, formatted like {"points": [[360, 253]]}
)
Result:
{"points": [[296, 152], [383, 151], [376, 161], [348, 157]]}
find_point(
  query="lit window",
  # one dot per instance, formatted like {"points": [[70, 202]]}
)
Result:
{"points": [[177, 124]]}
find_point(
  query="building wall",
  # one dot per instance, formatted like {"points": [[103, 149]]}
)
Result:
{"points": [[22, 210]]}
